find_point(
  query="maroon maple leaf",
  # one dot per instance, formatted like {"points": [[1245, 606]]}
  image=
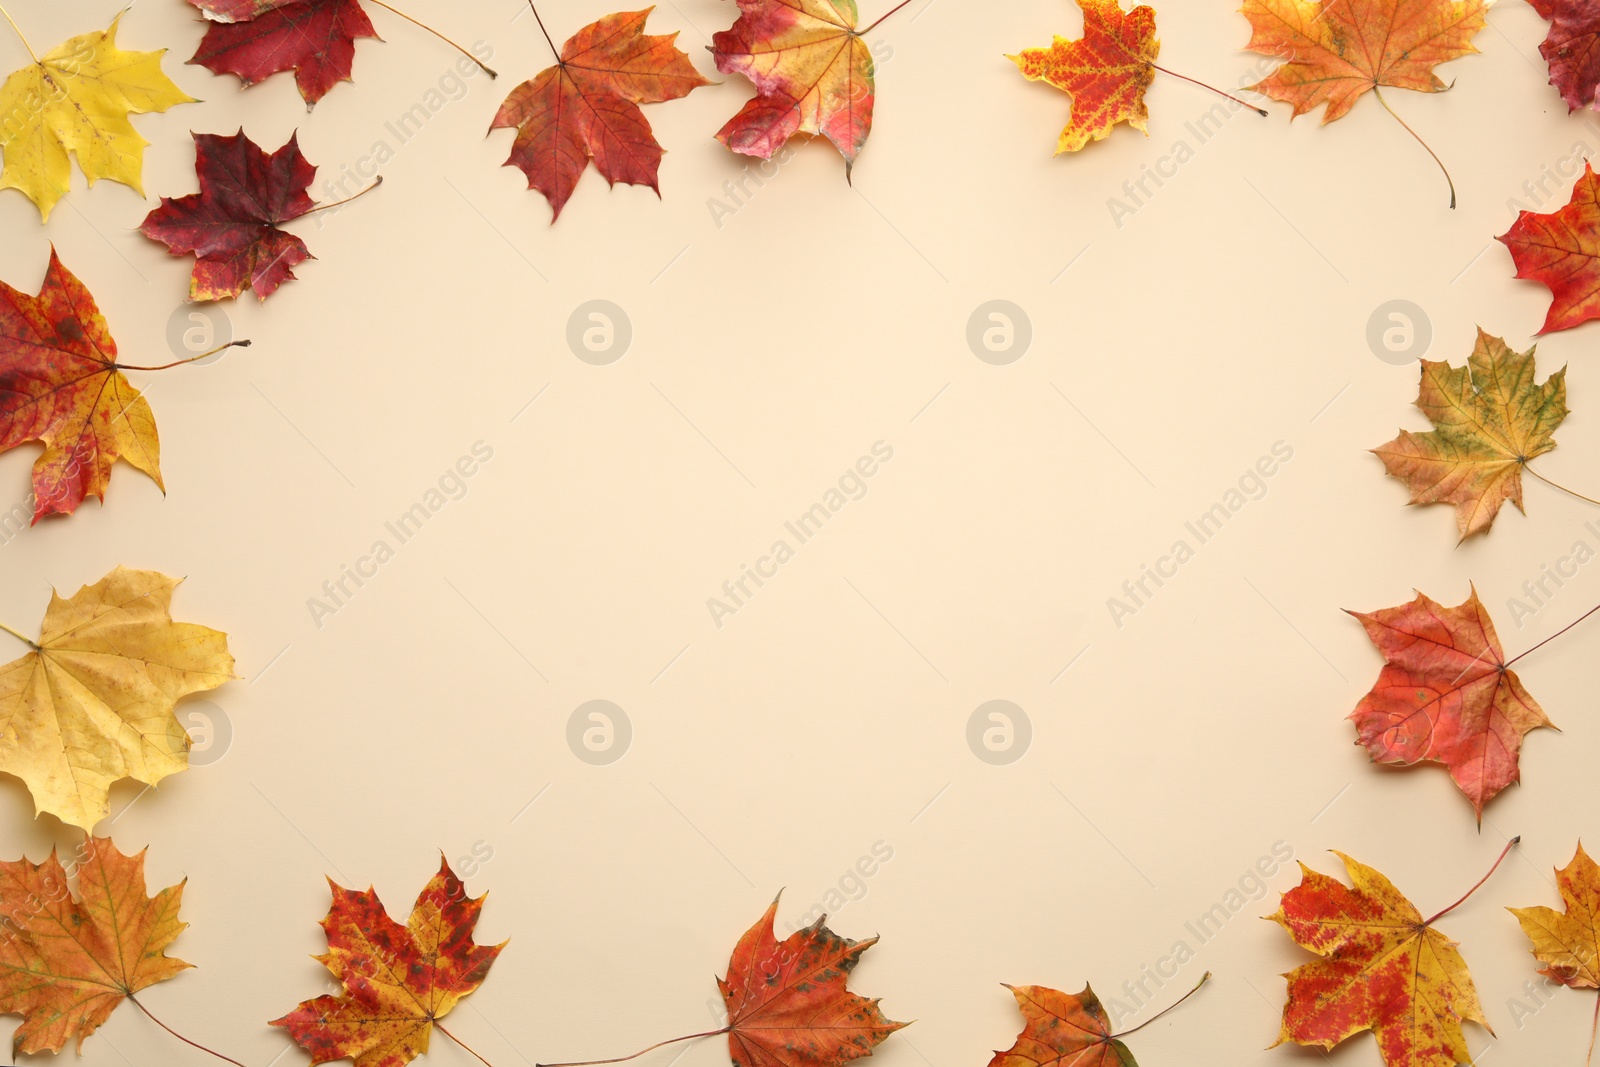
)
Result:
{"points": [[256, 39], [231, 225], [1572, 49]]}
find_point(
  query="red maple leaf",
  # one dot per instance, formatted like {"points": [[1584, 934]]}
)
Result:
{"points": [[1446, 695], [587, 107], [231, 225], [256, 39], [1572, 48], [1562, 250]]}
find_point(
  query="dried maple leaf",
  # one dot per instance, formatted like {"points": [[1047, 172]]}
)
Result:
{"points": [[1336, 50], [92, 703], [1069, 1030], [1383, 968], [1568, 944], [587, 107], [1562, 250], [255, 39], [1106, 71], [1572, 48], [76, 99], [399, 981], [60, 383], [1447, 695], [1490, 419], [66, 964], [787, 1003], [812, 70], [231, 225]]}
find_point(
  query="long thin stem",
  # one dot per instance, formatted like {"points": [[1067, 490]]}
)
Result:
{"points": [[875, 25], [1558, 485], [1204, 978], [191, 359], [1553, 636], [462, 1043], [180, 1037], [548, 39], [641, 1052], [1379, 94], [20, 37], [1195, 81], [1503, 854], [423, 25], [1594, 1028], [24, 638], [341, 203]]}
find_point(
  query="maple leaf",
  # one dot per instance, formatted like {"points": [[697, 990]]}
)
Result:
{"points": [[60, 384], [1383, 968], [231, 225], [1106, 71], [93, 701], [1490, 419], [1562, 250], [66, 964], [812, 70], [787, 1003], [255, 39], [587, 107], [1069, 1030], [1447, 695], [76, 100], [1572, 48], [399, 981], [1568, 944]]}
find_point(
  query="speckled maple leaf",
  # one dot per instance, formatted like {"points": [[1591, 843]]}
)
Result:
{"points": [[1572, 48]]}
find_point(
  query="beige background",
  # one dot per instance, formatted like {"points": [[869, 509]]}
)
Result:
{"points": [[830, 713]]}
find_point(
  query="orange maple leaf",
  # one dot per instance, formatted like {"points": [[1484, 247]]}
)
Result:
{"points": [[399, 981], [1568, 943], [66, 964], [1070, 1030], [1106, 71], [587, 107], [1383, 968]]}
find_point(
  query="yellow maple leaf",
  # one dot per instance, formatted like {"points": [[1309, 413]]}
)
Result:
{"points": [[76, 99], [93, 702]]}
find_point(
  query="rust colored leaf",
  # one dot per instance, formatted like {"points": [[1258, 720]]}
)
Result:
{"points": [[1490, 419], [60, 384], [587, 107], [1562, 250], [399, 981], [1069, 1030], [1383, 968], [231, 226], [255, 39], [1106, 71], [65, 963], [812, 71], [1446, 695], [1572, 48]]}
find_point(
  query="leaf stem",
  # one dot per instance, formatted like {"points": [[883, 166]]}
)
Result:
{"points": [[1557, 485], [1204, 978], [548, 40], [1379, 94], [1553, 636], [1503, 854], [641, 1052], [30, 642], [423, 25], [341, 203], [20, 37], [1195, 81], [180, 1037], [191, 359], [1594, 1028], [462, 1043], [881, 18]]}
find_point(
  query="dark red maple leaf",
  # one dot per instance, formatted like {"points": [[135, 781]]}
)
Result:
{"points": [[256, 39], [231, 225], [1572, 49]]}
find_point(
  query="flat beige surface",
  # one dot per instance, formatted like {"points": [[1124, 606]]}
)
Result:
{"points": [[829, 713]]}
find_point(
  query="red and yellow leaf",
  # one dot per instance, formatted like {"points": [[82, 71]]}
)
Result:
{"points": [[1106, 71], [1562, 250]]}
